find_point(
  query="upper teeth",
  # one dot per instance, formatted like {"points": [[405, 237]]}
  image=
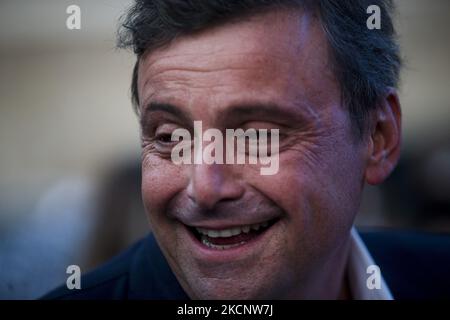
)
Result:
{"points": [[225, 233]]}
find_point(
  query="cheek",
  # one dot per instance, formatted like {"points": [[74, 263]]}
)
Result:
{"points": [[161, 180], [320, 196]]}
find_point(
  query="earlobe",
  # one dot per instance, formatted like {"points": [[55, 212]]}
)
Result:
{"points": [[385, 139]]}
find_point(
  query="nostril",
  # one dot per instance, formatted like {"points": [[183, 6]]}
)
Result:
{"points": [[212, 183]]}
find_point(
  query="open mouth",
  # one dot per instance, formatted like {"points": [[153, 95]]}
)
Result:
{"points": [[222, 239]]}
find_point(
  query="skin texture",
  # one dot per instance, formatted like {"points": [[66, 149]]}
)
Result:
{"points": [[267, 71]]}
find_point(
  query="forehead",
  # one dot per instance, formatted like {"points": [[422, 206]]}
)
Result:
{"points": [[277, 53]]}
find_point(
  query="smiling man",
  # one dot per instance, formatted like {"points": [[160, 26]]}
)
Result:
{"points": [[266, 70], [311, 70]]}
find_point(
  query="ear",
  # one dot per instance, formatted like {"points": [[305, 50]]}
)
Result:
{"points": [[385, 139]]}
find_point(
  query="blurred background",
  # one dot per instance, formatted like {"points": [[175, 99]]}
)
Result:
{"points": [[69, 140]]}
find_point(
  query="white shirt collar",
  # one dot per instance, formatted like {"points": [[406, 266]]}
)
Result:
{"points": [[359, 260]]}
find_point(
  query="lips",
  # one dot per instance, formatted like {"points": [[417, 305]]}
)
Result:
{"points": [[227, 238]]}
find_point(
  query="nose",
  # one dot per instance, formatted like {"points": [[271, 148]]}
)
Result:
{"points": [[212, 183]]}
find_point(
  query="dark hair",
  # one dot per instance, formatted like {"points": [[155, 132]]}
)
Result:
{"points": [[366, 62]]}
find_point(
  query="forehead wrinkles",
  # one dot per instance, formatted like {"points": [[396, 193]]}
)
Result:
{"points": [[277, 52], [214, 71]]}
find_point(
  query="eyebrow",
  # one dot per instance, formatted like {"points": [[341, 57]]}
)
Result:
{"points": [[253, 109], [164, 107], [269, 111], [154, 107]]}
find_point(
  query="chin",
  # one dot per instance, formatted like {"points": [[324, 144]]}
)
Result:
{"points": [[225, 291]]}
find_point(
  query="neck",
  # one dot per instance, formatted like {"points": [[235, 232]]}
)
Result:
{"points": [[331, 281]]}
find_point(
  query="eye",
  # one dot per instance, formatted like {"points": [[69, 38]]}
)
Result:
{"points": [[263, 129], [164, 138]]}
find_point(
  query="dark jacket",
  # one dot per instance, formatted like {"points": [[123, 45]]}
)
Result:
{"points": [[414, 265]]}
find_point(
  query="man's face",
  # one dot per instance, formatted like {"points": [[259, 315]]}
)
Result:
{"points": [[270, 71]]}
